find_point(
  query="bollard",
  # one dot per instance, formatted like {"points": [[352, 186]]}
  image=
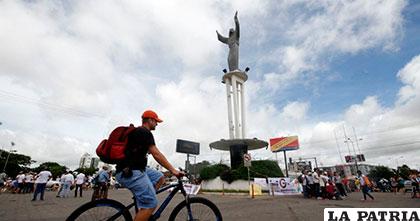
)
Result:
{"points": [[223, 189], [252, 191]]}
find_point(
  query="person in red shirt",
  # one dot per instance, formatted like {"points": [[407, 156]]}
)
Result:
{"points": [[330, 189]]}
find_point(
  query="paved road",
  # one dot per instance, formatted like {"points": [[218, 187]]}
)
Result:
{"points": [[233, 207]]}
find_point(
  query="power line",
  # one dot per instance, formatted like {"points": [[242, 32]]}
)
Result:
{"points": [[58, 108]]}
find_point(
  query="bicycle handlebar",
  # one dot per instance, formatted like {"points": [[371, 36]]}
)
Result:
{"points": [[188, 175]]}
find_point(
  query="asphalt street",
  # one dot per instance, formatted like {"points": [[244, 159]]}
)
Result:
{"points": [[233, 207]]}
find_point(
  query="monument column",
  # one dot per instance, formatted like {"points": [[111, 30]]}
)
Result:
{"points": [[235, 80]]}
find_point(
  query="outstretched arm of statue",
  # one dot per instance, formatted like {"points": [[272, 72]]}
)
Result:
{"points": [[236, 25], [221, 38]]}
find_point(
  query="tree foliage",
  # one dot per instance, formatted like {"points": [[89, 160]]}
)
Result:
{"points": [[404, 171], [380, 172], [56, 169], [15, 163], [213, 171]]}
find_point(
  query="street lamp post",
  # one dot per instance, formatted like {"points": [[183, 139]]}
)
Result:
{"points": [[8, 155]]}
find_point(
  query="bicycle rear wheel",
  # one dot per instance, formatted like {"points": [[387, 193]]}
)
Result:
{"points": [[201, 209], [103, 209]]}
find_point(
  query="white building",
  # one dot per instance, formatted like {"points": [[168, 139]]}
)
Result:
{"points": [[88, 161]]}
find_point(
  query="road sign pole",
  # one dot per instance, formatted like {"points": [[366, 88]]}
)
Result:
{"points": [[285, 163], [249, 179]]}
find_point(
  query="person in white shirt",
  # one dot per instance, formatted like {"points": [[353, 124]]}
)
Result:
{"points": [[40, 182], [20, 179], [316, 183], [28, 183], [67, 182], [305, 184], [364, 183], [80, 180], [61, 185], [323, 184]]}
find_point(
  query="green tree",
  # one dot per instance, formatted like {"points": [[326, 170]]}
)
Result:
{"points": [[213, 171], [404, 171], [15, 163], [381, 172]]}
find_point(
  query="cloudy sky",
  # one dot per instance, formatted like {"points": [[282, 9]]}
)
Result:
{"points": [[71, 71]]}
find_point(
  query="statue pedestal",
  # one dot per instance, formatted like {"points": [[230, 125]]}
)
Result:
{"points": [[237, 73], [237, 148]]}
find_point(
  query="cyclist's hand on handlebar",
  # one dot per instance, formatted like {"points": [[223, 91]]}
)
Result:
{"points": [[178, 173]]}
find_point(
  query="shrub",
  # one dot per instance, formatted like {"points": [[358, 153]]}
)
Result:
{"points": [[213, 171], [260, 168]]}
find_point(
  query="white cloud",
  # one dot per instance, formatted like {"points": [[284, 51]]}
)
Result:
{"points": [[322, 30], [362, 114], [409, 75]]}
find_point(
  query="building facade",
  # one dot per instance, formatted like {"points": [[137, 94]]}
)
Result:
{"points": [[88, 161]]}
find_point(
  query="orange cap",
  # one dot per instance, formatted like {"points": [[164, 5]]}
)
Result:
{"points": [[151, 114]]}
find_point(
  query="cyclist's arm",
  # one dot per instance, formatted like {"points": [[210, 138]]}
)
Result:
{"points": [[161, 159]]}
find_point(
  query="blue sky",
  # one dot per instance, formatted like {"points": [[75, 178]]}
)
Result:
{"points": [[316, 66]]}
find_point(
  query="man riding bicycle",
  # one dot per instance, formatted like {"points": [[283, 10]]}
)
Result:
{"points": [[132, 172]]}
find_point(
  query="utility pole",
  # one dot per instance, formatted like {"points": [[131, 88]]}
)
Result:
{"points": [[357, 140], [338, 147], [8, 155]]}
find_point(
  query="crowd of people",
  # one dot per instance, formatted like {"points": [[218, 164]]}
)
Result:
{"points": [[321, 184], [37, 183]]}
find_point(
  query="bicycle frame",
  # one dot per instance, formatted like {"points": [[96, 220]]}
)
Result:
{"points": [[177, 187]]}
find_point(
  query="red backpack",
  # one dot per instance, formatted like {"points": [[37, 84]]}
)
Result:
{"points": [[112, 150]]}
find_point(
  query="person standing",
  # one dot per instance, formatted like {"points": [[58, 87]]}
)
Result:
{"points": [[103, 179], [310, 184], [21, 182], [415, 184], [132, 172], [364, 185], [80, 180], [316, 179], [394, 185], [28, 186], [323, 180], [305, 184], [339, 184], [68, 180], [40, 183], [61, 185]]}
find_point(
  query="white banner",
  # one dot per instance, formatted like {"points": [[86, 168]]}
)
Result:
{"points": [[280, 186], [261, 181], [191, 188]]}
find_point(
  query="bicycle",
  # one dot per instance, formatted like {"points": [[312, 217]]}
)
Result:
{"points": [[191, 208]]}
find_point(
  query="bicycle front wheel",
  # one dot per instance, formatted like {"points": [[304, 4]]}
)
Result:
{"points": [[103, 209], [201, 209]]}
